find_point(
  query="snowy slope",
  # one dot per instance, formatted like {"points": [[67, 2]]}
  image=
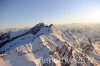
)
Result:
{"points": [[49, 43], [17, 32]]}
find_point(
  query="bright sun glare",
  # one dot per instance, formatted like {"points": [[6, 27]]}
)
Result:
{"points": [[92, 15]]}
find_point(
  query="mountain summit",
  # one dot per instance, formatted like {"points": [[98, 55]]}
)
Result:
{"points": [[45, 45]]}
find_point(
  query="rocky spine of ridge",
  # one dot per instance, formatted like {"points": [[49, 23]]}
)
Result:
{"points": [[33, 30]]}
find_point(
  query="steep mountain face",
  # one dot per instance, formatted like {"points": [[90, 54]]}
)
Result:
{"points": [[45, 45]]}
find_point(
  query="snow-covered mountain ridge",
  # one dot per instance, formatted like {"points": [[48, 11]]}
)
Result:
{"points": [[47, 42]]}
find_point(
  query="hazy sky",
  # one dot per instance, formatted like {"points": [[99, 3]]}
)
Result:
{"points": [[24, 13]]}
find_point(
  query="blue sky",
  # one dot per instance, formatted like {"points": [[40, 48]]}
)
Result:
{"points": [[25, 13]]}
